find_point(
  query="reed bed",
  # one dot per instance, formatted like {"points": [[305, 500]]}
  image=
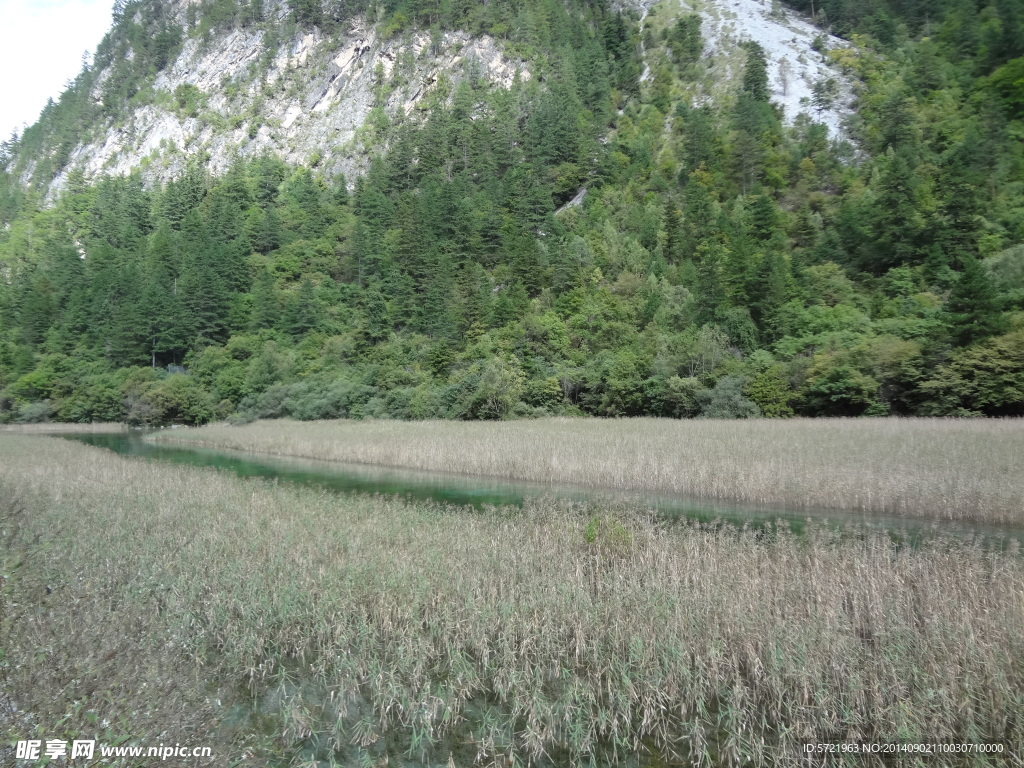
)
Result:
{"points": [[371, 629], [50, 428], [929, 468]]}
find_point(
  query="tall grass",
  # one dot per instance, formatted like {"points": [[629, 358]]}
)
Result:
{"points": [[935, 468], [47, 428], [83, 655], [368, 628]]}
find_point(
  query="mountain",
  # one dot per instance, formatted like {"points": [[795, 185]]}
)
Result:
{"points": [[318, 94], [246, 91], [427, 208]]}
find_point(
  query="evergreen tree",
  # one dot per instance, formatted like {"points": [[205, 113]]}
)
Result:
{"points": [[763, 217], [125, 342], [521, 253], [165, 328], [265, 230], [974, 307], [672, 225], [773, 288], [898, 223], [265, 310], [37, 312], [699, 212], [714, 217], [699, 150], [686, 41], [308, 13], [711, 293], [303, 311], [961, 208], [205, 298], [755, 73], [376, 326], [823, 94], [896, 124]]}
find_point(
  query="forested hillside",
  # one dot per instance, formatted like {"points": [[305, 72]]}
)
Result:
{"points": [[587, 240]]}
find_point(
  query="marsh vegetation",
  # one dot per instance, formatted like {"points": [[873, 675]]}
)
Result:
{"points": [[930, 468], [361, 629]]}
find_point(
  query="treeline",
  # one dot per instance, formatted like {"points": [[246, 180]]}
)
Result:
{"points": [[720, 263], [978, 34]]}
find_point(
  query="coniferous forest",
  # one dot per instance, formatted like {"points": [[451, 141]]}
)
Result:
{"points": [[722, 263]]}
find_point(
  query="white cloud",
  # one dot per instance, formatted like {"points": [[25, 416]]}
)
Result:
{"points": [[41, 46]]}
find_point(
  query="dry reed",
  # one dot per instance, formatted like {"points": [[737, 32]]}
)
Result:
{"points": [[49, 428], [371, 629], [933, 468]]}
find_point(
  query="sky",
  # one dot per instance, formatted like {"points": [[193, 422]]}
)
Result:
{"points": [[41, 46]]}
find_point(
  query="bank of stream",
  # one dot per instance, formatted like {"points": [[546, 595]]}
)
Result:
{"points": [[480, 492]]}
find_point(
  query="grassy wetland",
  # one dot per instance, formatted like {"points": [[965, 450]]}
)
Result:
{"points": [[294, 627], [928, 468]]}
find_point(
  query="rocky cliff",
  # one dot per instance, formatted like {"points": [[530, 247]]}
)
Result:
{"points": [[313, 99], [326, 99]]}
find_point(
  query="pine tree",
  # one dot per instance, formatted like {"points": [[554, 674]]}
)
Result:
{"points": [[165, 328], [754, 119], [125, 342], [710, 295], [672, 224], [308, 13], [699, 143], [474, 295], [823, 94], [303, 310], [755, 74], [974, 307], [763, 216], [773, 288], [265, 309], [686, 41], [896, 123], [265, 230], [376, 326], [521, 253], [205, 298], [36, 312], [738, 271], [898, 223], [340, 188], [960, 186], [183, 195], [699, 212]]}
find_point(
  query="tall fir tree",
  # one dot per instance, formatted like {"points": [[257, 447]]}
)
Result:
{"points": [[974, 307]]}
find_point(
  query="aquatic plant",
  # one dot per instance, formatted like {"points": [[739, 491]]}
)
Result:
{"points": [[966, 469], [363, 628]]}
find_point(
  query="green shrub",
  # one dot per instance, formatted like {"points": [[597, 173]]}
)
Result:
{"points": [[33, 413], [726, 401], [179, 399]]}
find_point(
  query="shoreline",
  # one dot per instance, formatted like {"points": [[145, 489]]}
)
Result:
{"points": [[908, 468]]}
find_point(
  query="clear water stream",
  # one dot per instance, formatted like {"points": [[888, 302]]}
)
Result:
{"points": [[480, 492]]}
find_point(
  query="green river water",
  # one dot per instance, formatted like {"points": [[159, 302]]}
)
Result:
{"points": [[480, 492]]}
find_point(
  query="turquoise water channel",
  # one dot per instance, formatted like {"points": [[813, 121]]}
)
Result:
{"points": [[480, 492]]}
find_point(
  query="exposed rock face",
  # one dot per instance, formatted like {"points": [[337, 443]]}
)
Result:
{"points": [[321, 100], [313, 106], [793, 66]]}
